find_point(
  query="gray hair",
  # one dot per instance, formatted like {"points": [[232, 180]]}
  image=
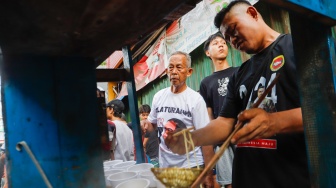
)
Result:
{"points": [[182, 53]]}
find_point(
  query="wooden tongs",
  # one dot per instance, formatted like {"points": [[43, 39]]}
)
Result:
{"points": [[184, 130], [221, 150]]}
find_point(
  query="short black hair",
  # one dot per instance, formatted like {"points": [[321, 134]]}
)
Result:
{"points": [[145, 108], [211, 38], [221, 14], [117, 105]]}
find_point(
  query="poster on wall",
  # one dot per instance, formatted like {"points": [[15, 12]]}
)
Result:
{"points": [[150, 66]]}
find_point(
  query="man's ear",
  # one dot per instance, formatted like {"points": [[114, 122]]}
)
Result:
{"points": [[252, 11], [190, 70], [207, 53]]}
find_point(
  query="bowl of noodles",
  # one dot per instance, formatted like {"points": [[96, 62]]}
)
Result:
{"points": [[176, 177]]}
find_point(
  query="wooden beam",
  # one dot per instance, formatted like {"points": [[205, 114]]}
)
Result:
{"points": [[111, 75]]}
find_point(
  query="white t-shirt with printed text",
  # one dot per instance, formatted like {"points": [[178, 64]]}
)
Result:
{"points": [[190, 108]]}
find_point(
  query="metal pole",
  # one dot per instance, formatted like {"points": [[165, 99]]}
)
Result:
{"points": [[133, 104]]}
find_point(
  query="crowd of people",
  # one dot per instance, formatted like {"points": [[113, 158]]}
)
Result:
{"points": [[269, 150]]}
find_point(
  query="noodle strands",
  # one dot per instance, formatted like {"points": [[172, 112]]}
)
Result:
{"points": [[175, 177]]}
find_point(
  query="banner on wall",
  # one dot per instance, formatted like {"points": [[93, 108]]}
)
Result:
{"points": [[150, 66], [195, 27], [185, 34]]}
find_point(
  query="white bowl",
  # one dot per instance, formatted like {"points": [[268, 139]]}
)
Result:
{"points": [[134, 183], [112, 171], [109, 172], [111, 163], [124, 165], [140, 167], [117, 178], [149, 176], [158, 183]]}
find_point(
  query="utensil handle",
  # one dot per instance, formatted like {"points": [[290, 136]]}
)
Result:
{"points": [[216, 157]]}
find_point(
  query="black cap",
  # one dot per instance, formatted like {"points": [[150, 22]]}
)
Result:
{"points": [[117, 105]]}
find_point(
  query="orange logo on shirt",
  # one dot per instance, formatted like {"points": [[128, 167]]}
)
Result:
{"points": [[277, 63]]}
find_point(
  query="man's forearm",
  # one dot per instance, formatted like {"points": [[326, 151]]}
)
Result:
{"points": [[214, 132], [287, 121], [260, 124], [208, 153]]}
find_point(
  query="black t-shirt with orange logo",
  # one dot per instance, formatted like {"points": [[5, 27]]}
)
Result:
{"points": [[279, 161]]}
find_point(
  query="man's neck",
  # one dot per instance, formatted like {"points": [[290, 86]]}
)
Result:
{"points": [[178, 89], [270, 37], [220, 64], [114, 118]]}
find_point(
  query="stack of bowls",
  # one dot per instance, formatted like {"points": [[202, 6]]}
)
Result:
{"points": [[123, 165], [108, 169], [134, 183], [129, 174], [110, 172], [140, 167], [117, 178], [109, 164], [147, 174]]}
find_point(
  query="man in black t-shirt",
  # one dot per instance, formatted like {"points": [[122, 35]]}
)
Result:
{"points": [[270, 146], [213, 89]]}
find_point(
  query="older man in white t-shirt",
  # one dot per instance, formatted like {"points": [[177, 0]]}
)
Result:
{"points": [[178, 106]]}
